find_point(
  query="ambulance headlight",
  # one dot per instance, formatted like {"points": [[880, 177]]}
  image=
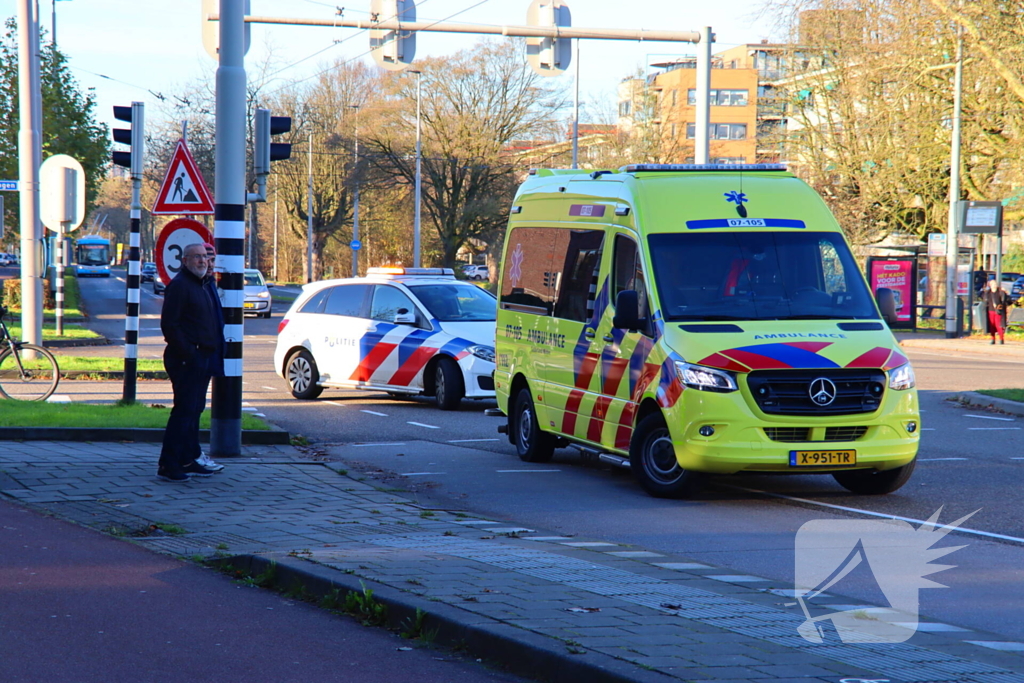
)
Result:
{"points": [[705, 378], [483, 352], [902, 377]]}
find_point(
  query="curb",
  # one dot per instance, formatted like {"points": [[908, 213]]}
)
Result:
{"points": [[70, 343], [251, 437], [1002, 404], [521, 652], [958, 346], [103, 375]]}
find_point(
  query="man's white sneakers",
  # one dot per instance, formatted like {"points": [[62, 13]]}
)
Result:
{"points": [[207, 462]]}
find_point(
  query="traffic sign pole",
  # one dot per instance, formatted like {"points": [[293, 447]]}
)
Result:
{"points": [[131, 317], [229, 226], [29, 160]]}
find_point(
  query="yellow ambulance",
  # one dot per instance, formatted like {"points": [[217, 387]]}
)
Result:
{"points": [[684, 320]]}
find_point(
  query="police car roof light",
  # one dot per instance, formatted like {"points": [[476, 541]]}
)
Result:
{"points": [[636, 168], [398, 270]]}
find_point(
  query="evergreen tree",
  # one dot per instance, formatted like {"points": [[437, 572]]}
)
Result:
{"points": [[69, 124]]}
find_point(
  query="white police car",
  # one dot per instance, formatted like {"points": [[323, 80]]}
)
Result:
{"points": [[401, 330]]}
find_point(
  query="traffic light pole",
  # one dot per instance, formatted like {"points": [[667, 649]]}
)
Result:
{"points": [[229, 226], [29, 153], [132, 297]]}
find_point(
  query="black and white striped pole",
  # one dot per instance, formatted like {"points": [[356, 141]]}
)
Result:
{"points": [[229, 226], [132, 160]]}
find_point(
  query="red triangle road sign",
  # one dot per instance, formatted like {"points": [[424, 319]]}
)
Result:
{"points": [[183, 190]]}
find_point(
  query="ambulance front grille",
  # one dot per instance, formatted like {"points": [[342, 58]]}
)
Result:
{"points": [[787, 392], [804, 434]]}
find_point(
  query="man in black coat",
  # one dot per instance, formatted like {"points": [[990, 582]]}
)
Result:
{"points": [[195, 340]]}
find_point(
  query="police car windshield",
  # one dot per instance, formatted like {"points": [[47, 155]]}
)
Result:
{"points": [[758, 276], [457, 303]]}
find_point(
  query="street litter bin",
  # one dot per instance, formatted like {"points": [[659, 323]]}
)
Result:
{"points": [[978, 318]]}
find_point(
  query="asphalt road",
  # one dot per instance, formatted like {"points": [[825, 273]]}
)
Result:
{"points": [[81, 606], [970, 462]]}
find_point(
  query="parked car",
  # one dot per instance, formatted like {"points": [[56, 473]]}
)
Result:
{"points": [[406, 331], [8, 260], [148, 272], [257, 295], [475, 272], [1009, 279], [158, 284], [1017, 289]]}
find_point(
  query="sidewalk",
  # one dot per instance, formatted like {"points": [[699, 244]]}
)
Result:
{"points": [[936, 341], [546, 606]]}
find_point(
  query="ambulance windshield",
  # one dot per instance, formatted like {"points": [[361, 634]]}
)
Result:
{"points": [[758, 276]]}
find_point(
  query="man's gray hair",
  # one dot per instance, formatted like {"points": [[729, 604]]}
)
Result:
{"points": [[202, 249]]}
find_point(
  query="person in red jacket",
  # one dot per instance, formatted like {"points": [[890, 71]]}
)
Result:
{"points": [[996, 302]]}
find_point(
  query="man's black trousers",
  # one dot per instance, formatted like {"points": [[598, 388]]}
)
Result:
{"points": [[189, 380]]}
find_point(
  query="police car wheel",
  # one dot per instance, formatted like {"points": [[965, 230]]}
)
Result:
{"points": [[303, 376], [532, 444], [652, 459], [872, 483], [448, 385]]}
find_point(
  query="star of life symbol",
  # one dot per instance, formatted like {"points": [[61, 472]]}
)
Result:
{"points": [[822, 391], [896, 555], [737, 198], [516, 273]]}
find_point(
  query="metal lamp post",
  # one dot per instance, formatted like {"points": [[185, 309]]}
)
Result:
{"points": [[419, 176], [355, 203]]}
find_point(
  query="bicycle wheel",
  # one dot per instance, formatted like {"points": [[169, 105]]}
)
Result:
{"points": [[25, 378]]}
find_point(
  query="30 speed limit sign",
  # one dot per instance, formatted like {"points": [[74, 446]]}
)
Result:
{"points": [[170, 246]]}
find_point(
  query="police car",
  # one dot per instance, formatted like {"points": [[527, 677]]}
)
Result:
{"points": [[406, 331]]}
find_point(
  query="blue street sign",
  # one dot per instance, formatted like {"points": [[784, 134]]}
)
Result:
{"points": [[356, 245], [8, 185]]}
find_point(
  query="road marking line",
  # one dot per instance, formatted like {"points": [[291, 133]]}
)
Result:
{"points": [[335, 403], [259, 414], [250, 410], [59, 398], [927, 429], [470, 440], [419, 474], [975, 532], [937, 459], [397, 443], [992, 429], [1016, 458], [990, 417], [420, 424], [270, 388], [373, 412], [507, 471]]}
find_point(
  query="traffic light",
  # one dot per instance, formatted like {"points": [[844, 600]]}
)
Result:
{"points": [[133, 137], [265, 151]]}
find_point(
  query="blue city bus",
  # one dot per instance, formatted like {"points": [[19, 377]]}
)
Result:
{"points": [[92, 256]]}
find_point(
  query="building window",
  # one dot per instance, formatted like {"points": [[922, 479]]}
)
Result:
{"points": [[721, 98], [675, 97], [625, 108], [720, 131]]}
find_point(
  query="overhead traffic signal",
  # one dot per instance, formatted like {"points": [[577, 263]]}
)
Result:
{"points": [[391, 48], [133, 137], [265, 151]]}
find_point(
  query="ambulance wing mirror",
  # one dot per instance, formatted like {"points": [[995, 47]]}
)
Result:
{"points": [[405, 317], [886, 304], [627, 311]]}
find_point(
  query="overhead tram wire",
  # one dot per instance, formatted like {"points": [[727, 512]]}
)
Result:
{"points": [[157, 95]]}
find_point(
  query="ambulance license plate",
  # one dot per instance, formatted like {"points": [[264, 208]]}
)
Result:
{"points": [[822, 458], [248, 304]]}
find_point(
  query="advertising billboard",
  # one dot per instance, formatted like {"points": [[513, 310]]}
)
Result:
{"points": [[896, 277]]}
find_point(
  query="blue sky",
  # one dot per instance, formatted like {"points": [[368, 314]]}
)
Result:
{"points": [[155, 45]]}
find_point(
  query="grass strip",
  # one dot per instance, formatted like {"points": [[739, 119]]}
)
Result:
{"points": [[105, 364], [93, 415], [1008, 394], [71, 331]]}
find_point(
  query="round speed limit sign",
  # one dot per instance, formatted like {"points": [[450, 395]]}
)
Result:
{"points": [[170, 246]]}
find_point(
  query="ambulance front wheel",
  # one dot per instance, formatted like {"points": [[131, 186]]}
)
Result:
{"points": [[532, 444], [449, 387], [303, 376], [872, 483], [652, 459]]}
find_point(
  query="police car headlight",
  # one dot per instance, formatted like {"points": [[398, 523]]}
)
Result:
{"points": [[705, 378], [902, 377], [483, 352], [264, 295]]}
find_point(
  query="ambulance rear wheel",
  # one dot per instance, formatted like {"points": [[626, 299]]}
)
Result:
{"points": [[652, 459], [303, 376], [448, 385], [532, 444], [872, 483]]}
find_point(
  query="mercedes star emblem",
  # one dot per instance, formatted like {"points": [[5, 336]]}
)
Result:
{"points": [[822, 391]]}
